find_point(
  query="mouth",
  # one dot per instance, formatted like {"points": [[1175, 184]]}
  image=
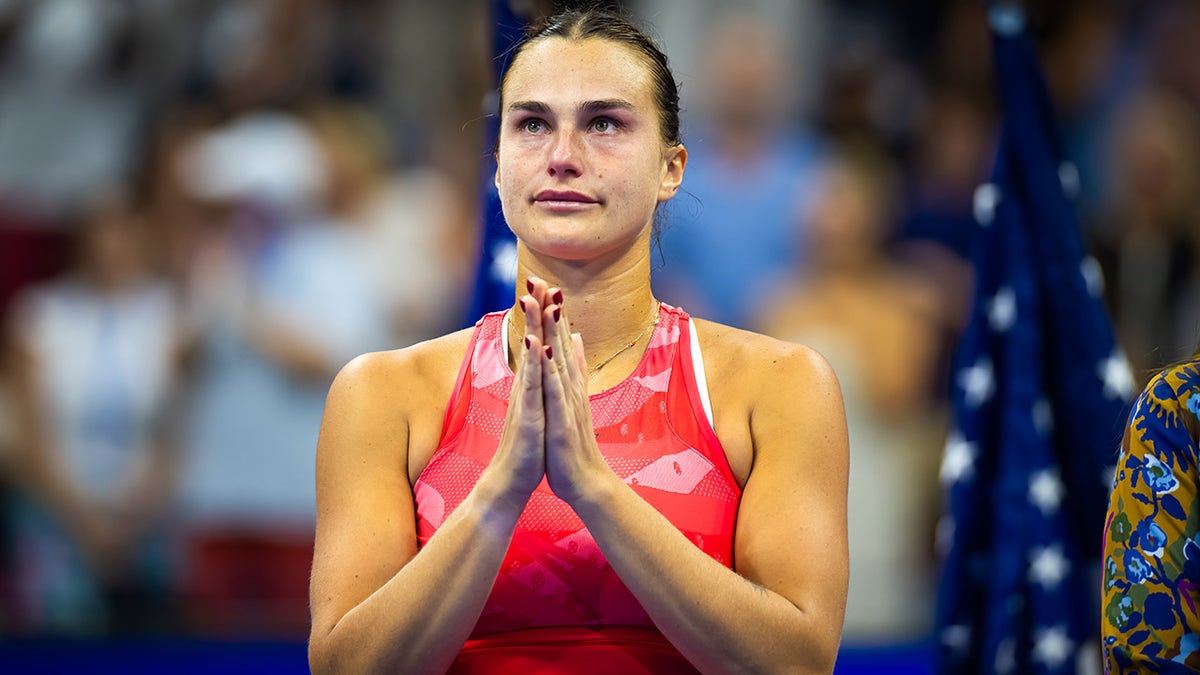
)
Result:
{"points": [[564, 200]]}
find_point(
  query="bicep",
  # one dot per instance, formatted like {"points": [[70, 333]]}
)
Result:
{"points": [[791, 532], [365, 515]]}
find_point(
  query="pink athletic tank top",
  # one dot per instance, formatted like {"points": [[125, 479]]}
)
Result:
{"points": [[555, 596]]}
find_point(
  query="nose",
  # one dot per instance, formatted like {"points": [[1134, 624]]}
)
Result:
{"points": [[565, 155]]}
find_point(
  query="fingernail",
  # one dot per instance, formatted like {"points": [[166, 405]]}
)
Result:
{"points": [[549, 352], [557, 313], [529, 285], [558, 298], [527, 344]]}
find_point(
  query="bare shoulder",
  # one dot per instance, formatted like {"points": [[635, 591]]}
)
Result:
{"points": [[400, 374], [394, 399], [742, 358], [767, 394], [426, 359]]}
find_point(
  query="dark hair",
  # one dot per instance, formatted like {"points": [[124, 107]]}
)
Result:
{"points": [[584, 23]]}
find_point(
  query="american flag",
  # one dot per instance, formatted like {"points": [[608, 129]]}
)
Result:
{"points": [[496, 262], [1039, 395]]}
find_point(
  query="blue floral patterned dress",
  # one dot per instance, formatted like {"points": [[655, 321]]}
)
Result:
{"points": [[1151, 543]]}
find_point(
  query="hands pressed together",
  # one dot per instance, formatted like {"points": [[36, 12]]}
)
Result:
{"points": [[548, 429]]}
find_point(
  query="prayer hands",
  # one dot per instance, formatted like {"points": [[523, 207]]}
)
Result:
{"points": [[548, 430]]}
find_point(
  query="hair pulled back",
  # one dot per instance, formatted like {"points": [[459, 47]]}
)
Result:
{"points": [[586, 23]]}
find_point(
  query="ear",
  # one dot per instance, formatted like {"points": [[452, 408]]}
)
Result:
{"points": [[496, 177], [676, 158]]}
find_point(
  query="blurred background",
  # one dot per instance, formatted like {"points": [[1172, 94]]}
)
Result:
{"points": [[208, 206]]}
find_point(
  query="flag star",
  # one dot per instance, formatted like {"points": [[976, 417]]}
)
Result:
{"points": [[987, 196], [1046, 490], [1002, 310], [1006, 18], [1118, 378], [1006, 657], [1093, 276], [957, 638], [1043, 416], [1052, 646], [1048, 566], [1068, 177], [978, 382], [958, 462], [504, 262], [1087, 658]]}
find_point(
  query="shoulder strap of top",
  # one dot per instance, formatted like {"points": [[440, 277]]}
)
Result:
{"points": [[697, 365], [696, 387], [454, 418]]}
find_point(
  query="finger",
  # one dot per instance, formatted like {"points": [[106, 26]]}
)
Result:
{"points": [[571, 345], [557, 408], [531, 383], [524, 423], [580, 356], [580, 369], [533, 317], [557, 335], [540, 290], [521, 451], [568, 354], [528, 374]]}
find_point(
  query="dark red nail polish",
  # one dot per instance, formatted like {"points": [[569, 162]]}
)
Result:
{"points": [[549, 352], [556, 313], [558, 298], [527, 345], [529, 285]]}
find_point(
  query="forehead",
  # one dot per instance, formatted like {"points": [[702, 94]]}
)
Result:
{"points": [[558, 69]]}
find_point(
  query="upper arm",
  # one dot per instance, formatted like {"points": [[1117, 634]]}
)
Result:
{"points": [[791, 532], [1150, 533], [366, 528]]}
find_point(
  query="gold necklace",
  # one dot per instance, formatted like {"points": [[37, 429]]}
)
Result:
{"points": [[653, 322], [593, 369]]}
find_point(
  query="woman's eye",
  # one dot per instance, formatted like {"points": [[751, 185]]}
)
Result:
{"points": [[533, 126], [603, 124]]}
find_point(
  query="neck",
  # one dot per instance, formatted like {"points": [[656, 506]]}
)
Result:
{"points": [[609, 303]]}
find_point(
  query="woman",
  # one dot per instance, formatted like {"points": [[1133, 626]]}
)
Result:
{"points": [[605, 520], [1151, 535], [95, 384]]}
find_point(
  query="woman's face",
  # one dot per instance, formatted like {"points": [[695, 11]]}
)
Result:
{"points": [[581, 163]]}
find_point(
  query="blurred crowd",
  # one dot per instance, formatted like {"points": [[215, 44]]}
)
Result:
{"points": [[208, 206]]}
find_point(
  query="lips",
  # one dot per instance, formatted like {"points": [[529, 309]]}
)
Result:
{"points": [[564, 197]]}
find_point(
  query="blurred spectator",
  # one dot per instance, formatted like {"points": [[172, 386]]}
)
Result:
{"points": [[1151, 251], [68, 113], [414, 220], [1170, 46], [260, 53], [93, 363], [320, 254], [879, 326], [935, 237], [950, 160], [732, 234]]}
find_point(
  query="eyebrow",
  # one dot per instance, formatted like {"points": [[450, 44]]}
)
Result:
{"points": [[540, 108]]}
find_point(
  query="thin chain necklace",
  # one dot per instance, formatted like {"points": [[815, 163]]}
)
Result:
{"points": [[653, 322], [592, 370]]}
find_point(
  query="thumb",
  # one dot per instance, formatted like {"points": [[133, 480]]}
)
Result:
{"points": [[580, 359]]}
